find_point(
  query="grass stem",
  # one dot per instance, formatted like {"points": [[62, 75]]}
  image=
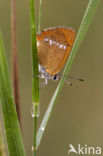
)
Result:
{"points": [[40, 15], [35, 79]]}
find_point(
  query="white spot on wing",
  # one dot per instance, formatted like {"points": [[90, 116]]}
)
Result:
{"points": [[50, 42], [57, 44], [37, 43], [61, 46], [54, 42], [64, 47], [46, 39]]}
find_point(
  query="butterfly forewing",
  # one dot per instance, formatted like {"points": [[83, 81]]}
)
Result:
{"points": [[54, 46]]}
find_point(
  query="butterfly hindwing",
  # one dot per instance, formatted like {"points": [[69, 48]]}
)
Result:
{"points": [[54, 46]]}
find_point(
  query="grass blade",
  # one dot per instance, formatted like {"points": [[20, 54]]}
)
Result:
{"points": [[35, 80], [15, 76], [40, 13], [12, 129], [91, 8], [2, 143], [35, 83]]}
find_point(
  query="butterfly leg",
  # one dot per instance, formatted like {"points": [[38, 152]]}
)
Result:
{"points": [[42, 77], [43, 84], [68, 82]]}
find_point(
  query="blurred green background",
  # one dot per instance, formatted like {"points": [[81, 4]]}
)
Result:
{"points": [[78, 114]]}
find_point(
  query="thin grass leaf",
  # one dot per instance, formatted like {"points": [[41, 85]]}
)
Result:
{"points": [[15, 75], [2, 143], [40, 13], [35, 80], [89, 13], [12, 128]]}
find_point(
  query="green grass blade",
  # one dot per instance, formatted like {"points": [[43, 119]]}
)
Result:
{"points": [[91, 8], [40, 13], [35, 80], [12, 129], [2, 143], [15, 69]]}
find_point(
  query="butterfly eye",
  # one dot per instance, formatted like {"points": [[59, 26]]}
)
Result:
{"points": [[55, 77]]}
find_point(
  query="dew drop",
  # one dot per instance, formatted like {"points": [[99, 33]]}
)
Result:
{"points": [[32, 148], [42, 128], [33, 111]]}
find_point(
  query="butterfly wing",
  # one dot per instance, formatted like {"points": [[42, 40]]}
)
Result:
{"points": [[54, 48]]}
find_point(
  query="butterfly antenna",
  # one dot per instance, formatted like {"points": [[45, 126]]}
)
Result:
{"points": [[79, 79], [71, 77]]}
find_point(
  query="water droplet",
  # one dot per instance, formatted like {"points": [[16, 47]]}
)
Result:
{"points": [[38, 113], [32, 148], [42, 128], [33, 111]]}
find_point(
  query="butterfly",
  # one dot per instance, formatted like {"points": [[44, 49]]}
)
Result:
{"points": [[54, 46]]}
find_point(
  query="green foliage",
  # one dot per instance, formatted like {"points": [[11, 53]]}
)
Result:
{"points": [[12, 129]]}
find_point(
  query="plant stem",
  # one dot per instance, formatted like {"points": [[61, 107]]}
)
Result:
{"points": [[35, 79], [40, 13], [15, 77], [2, 143]]}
